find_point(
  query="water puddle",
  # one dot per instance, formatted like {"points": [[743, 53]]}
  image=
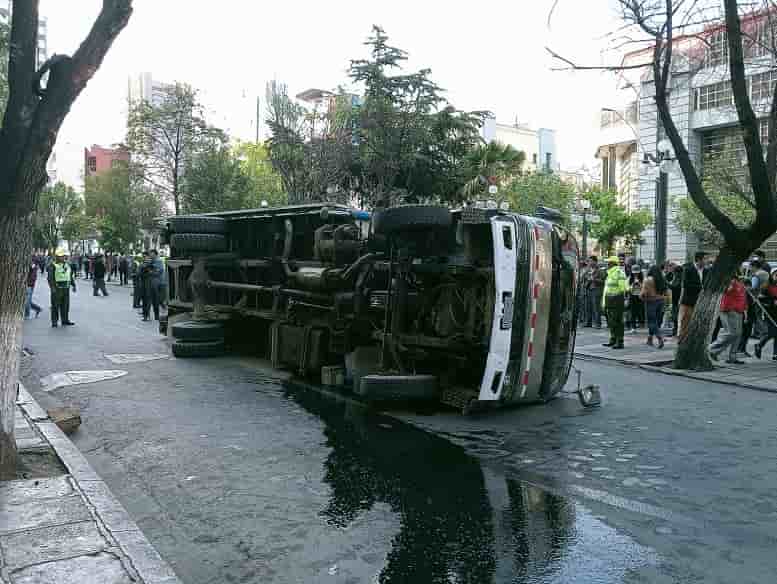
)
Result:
{"points": [[408, 506]]}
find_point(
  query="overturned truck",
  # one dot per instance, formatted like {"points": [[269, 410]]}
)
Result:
{"points": [[472, 307]]}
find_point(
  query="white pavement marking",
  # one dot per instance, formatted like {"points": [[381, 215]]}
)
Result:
{"points": [[124, 358], [66, 378]]}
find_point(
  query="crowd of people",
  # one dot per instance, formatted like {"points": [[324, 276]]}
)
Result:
{"points": [[632, 295], [145, 271]]}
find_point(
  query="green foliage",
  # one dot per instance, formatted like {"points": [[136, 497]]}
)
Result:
{"points": [[162, 137], [525, 193], [221, 179], [265, 183], [57, 206], [401, 141], [5, 36], [615, 222], [728, 191], [120, 208], [309, 149], [409, 142], [491, 163]]}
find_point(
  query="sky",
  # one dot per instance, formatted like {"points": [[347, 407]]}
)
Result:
{"points": [[490, 56]]}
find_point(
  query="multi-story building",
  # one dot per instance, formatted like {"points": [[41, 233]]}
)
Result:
{"points": [[98, 160], [43, 32], [143, 87], [539, 146], [702, 108]]}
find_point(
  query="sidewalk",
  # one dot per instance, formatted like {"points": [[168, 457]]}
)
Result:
{"points": [[68, 529], [754, 374]]}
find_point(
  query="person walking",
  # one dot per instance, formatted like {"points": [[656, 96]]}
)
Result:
{"points": [[61, 280], [636, 307], [99, 276], [614, 302], [32, 277], [123, 269], [595, 290], [769, 302], [694, 276], [732, 309], [74, 264], [653, 294]]}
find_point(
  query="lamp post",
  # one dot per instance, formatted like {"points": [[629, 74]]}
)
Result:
{"points": [[663, 160], [586, 216]]}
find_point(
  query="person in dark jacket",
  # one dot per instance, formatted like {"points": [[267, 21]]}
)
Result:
{"points": [[124, 263], [99, 276], [694, 276]]}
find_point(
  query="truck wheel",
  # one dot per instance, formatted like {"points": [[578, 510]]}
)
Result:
{"points": [[192, 330], [184, 349], [398, 387], [410, 218], [198, 242], [184, 224]]}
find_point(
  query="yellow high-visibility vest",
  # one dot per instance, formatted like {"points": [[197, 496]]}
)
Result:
{"points": [[62, 273]]}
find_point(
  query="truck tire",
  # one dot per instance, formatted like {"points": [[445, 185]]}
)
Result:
{"points": [[398, 387], [190, 224], [202, 242], [192, 330], [410, 218], [185, 350]]}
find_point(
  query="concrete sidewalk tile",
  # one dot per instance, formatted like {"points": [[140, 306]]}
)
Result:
{"points": [[37, 514], [102, 568], [145, 559], [51, 543], [16, 492]]}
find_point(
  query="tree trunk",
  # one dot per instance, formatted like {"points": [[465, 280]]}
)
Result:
{"points": [[15, 254], [693, 351]]}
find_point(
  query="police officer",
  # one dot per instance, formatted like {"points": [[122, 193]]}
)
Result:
{"points": [[61, 279]]}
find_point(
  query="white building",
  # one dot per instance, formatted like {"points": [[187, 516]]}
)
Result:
{"points": [[701, 104], [539, 146], [143, 87]]}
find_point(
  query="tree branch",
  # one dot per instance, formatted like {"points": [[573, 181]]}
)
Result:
{"points": [[576, 67], [766, 210]]}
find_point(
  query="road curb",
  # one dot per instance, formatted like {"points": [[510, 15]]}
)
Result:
{"points": [[107, 511], [675, 372]]}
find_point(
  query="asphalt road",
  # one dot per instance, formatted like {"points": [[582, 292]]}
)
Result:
{"points": [[236, 478]]}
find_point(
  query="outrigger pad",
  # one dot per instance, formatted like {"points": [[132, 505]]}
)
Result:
{"points": [[590, 396]]}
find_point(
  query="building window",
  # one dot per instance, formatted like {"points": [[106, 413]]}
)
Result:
{"points": [[548, 160], [115, 163], [713, 96], [727, 142], [92, 163], [717, 49], [534, 159], [762, 85]]}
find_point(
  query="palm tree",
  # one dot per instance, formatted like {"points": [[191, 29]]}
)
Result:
{"points": [[494, 162]]}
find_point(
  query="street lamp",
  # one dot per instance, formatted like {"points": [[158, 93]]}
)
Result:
{"points": [[663, 159], [585, 215]]}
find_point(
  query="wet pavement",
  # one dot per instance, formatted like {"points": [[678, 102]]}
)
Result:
{"points": [[236, 477]]}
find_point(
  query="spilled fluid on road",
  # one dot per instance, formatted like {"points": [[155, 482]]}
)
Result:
{"points": [[428, 512]]}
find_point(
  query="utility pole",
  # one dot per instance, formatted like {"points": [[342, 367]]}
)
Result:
{"points": [[258, 115]]}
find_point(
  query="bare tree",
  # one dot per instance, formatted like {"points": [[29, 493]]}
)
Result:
{"points": [[677, 35], [164, 135], [32, 119]]}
